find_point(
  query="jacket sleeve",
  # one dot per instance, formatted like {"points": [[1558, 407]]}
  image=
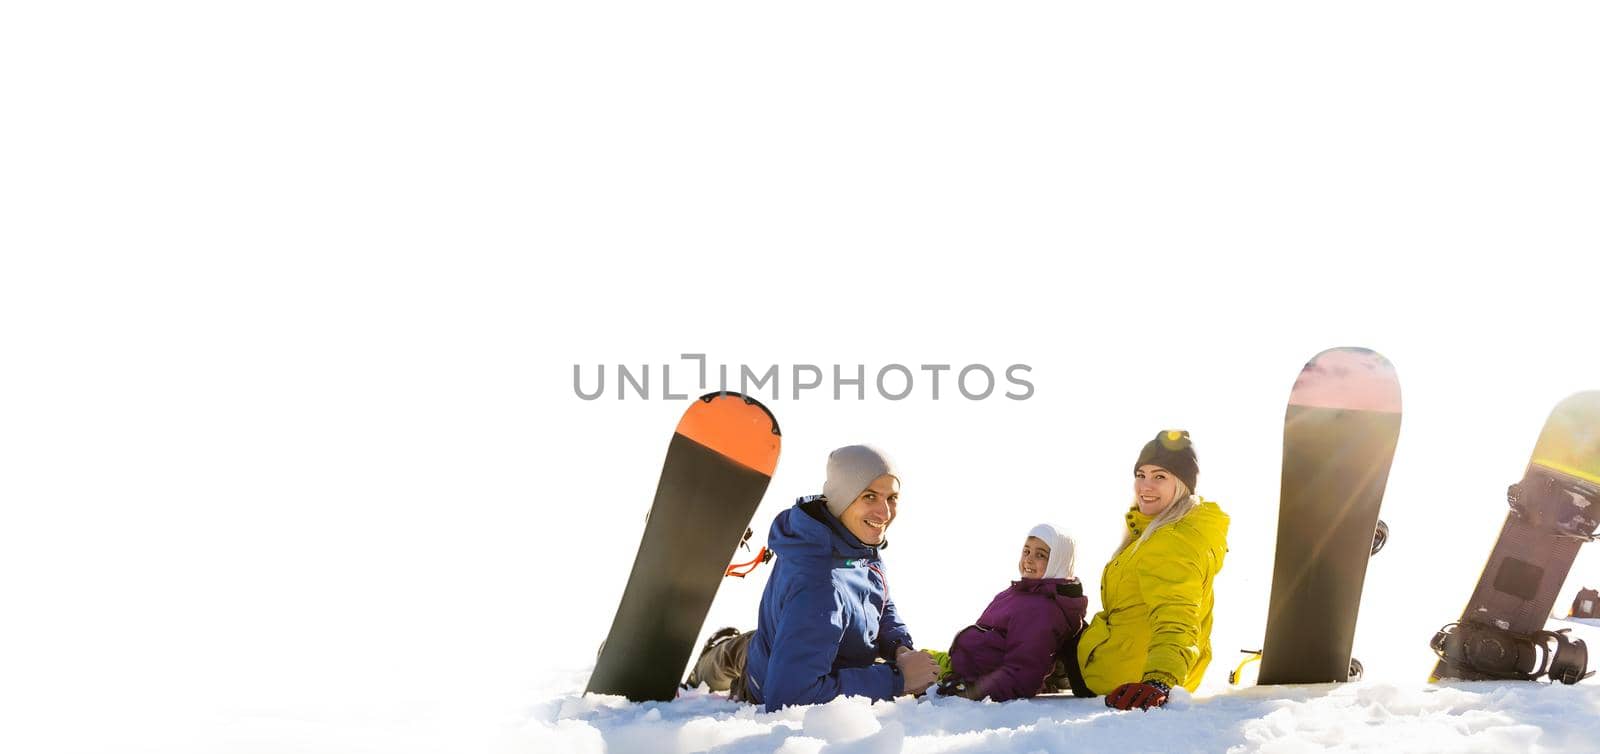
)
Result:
{"points": [[1172, 578], [892, 633], [1031, 647], [804, 646], [1077, 615]]}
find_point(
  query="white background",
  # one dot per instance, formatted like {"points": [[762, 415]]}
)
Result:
{"points": [[291, 296]]}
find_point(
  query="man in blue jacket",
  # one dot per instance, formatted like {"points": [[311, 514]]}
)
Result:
{"points": [[826, 618]]}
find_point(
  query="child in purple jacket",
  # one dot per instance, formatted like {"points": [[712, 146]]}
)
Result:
{"points": [[1011, 650]]}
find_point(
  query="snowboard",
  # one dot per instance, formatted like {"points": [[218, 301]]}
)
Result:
{"points": [[1554, 509], [1339, 435], [718, 465]]}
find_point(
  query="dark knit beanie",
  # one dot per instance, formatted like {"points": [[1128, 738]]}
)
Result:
{"points": [[1171, 450]]}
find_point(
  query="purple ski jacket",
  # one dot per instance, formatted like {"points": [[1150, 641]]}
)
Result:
{"points": [[1012, 648]]}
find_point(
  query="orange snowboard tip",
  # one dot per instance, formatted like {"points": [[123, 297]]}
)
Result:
{"points": [[735, 426], [1348, 378]]}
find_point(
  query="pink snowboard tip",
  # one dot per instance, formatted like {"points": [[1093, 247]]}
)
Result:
{"points": [[1348, 378]]}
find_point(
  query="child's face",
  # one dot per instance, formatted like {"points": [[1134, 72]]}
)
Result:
{"points": [[1035, 556]]}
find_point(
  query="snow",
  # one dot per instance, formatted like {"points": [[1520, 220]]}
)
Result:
{"points": [[553, 716], [1451, 717], [1366, 716]]}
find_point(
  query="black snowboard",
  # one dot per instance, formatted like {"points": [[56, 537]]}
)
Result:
{"points": [[1553, 512], [718, 466], [1339, 436]]}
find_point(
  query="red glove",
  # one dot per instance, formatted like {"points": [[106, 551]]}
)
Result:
{"points": [[1142, 695]]}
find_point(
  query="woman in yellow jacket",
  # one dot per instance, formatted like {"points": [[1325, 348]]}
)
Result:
{"points": [[1153, 631]]}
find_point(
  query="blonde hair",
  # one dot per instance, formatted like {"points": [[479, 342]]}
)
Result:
{"points": [[1183, 501]]}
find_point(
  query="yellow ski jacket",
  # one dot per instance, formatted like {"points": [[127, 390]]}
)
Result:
{"points": [[1155, 599]]}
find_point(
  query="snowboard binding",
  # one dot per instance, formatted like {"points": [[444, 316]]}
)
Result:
{"points": [[1254, 655], [1250, 655], [741, 570], [1496, 653], [1563, 505]]}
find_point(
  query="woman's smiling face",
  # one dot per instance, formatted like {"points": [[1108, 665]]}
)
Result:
{"points": [[1154, 488]]}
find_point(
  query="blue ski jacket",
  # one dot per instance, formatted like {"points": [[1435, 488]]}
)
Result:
{"points": [[826, 616]]}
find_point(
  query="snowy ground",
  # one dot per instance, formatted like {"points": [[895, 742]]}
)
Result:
{"points": [[1481, 717], [553, 717], [1367, 716]]}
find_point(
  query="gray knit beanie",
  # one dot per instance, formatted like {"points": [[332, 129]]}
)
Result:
{"points": [[850, 469]]}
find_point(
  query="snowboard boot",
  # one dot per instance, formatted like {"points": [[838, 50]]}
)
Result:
{"points": [[722, 661]]}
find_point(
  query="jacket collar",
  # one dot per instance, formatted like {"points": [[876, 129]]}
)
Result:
{"points": [[1137, 522], [1067, 587], [1062, 592]]}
